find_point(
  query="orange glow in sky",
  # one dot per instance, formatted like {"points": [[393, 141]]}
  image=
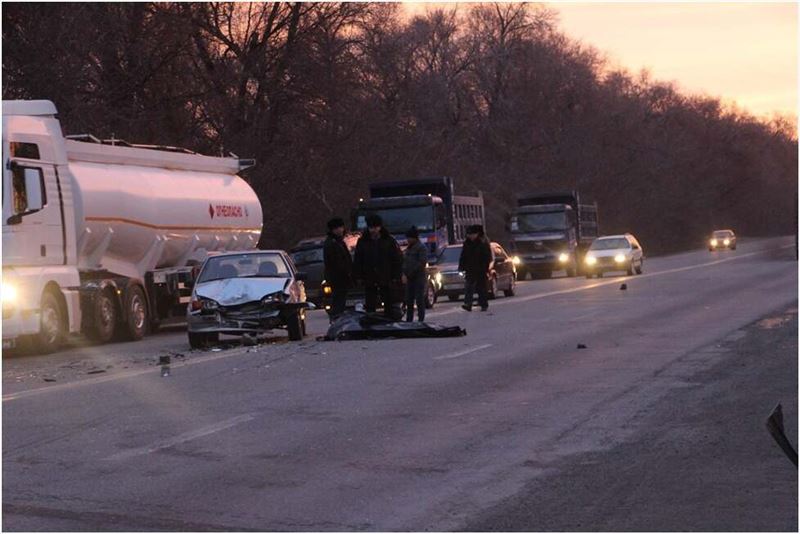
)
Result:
{"points": [[741, 52]]}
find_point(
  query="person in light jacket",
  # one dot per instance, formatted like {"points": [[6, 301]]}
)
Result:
{"points": [[415, 263]]}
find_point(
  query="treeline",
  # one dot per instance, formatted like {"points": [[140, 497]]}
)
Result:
{"points": [[329, 97]]}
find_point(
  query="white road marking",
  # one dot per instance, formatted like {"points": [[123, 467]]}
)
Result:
{"points": [[463, 352], [183, 438], [237, 352]]}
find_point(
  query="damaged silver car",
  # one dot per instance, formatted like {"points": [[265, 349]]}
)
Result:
{"points": [[247, 293]]}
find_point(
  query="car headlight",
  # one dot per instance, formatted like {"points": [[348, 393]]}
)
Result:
{"points": [[327, 290], [438, 278], [591, 260], [726, 242], [9, 294], [515, 260], [278, 296], [620, 258], [714, 242], [563, 257], [209, 304]]}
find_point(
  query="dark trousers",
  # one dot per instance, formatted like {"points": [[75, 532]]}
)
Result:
{"points": [[477, 283], [415, 292], [371, 292], [338, 300]]}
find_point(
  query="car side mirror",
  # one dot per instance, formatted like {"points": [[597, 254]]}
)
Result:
{"points": [[301, 276]]}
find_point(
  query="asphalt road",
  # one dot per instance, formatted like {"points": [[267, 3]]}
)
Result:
{"points": [[511, 427]]}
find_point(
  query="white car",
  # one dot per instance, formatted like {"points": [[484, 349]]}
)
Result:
{"points": [[613, 253]]}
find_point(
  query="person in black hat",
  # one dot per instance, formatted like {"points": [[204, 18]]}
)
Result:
{"points": [[338, 266], [415, 262], [378, 262], [476, 257]]}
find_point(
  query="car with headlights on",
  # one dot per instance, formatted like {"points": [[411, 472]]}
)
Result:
{"points": [[613, 253], [502, 269], [722, 239], [240, 293]]}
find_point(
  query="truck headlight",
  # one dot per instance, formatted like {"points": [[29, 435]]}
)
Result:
{"points": [[620, 258], [327, 290], [714, 242], [563, 257], [9, 294], [591, 260], [726, 242]]}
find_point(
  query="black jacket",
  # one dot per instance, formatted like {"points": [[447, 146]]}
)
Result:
{"points": [[338, 263], [377, 261], [476, 256], [415, 260]]}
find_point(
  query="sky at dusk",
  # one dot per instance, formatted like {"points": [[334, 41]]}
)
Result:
{"points": [[745, 53]]}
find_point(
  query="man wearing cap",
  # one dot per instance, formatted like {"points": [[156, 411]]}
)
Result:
{"points": [[476, 256], [338, 266], [378, 262], [415, 261]]}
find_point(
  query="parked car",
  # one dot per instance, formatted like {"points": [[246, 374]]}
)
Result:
{"points": [[246, 293], [722, 239], [614, 253], [308, 257], [502, 269]]}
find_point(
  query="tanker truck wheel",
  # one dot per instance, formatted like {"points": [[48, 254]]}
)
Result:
{"points": [[134, 321], [105, 318], [52, 325]]}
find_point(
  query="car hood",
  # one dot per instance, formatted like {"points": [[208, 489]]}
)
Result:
{"points": [[450, 267], [610, 253], [233, 291]]}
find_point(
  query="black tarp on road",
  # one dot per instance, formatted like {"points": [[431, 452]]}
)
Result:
{"points": [[361, 325]]}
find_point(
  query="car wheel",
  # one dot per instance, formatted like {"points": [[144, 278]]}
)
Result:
{"points": [[493, 289], [135, 318], [52, 325], [105, 318], [510, 291], [294, 326], [733, 247], [630, 269], [430, 297], [452, 297], [589, 276], [640, 267]]}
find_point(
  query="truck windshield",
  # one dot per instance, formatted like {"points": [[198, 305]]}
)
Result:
{"points": [[244, 266], [540, 222], [398, 220]]}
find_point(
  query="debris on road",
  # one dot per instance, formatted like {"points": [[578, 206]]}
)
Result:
{"points": [[361, 325], [95, 371], [49, 379], [623, 287], [581, 346]]}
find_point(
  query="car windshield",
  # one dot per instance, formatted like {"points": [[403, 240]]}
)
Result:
{"points": [[306, 256], [449, 255], [398, 220], [722, 234], [609, 244], [540, 222], [268, 265]]}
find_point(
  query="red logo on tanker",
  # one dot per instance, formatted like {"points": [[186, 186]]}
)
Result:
{"points": [[225, 210]]}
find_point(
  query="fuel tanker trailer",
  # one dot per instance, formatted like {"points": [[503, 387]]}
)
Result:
{"points": [[103, 237]]}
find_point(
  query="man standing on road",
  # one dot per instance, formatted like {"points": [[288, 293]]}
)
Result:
{"points": [[338, 266], [476, 256], [379, 263], [415, 261]]}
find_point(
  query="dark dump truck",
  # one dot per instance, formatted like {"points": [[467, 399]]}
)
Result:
{"points": [[430, 204], [551, 232]]}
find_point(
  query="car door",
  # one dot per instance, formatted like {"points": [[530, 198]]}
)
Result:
{"points": [[637, 250], [501, 266]]}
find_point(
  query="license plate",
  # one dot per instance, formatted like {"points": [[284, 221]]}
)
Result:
{"points": [[537, 256], [452, 286], [9, 343]]}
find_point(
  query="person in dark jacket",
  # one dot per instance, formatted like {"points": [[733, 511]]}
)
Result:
{"points": [[378, 262], [476, 257], [415, 262], [338, 266]]}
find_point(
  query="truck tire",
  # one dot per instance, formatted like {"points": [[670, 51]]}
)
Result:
{"points": [[52, 325], [134, 315], [105, 318], [294, 326]]}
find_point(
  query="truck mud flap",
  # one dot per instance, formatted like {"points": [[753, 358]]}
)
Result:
{"points": [[360, 325]]}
